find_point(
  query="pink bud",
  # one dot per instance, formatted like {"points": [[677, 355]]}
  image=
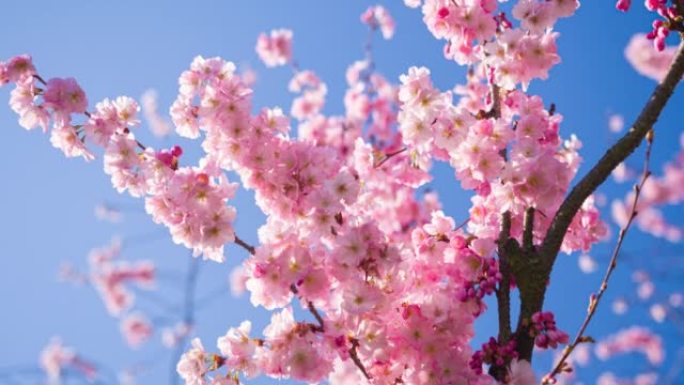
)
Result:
{"points": [[176, 151], [623, 5]]}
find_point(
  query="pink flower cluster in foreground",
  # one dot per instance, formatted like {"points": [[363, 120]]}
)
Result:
{"points": [[546, 334], [661, 27], [191, 201]]}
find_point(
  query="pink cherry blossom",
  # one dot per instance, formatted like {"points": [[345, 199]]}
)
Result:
{"points": [[19, 68], [192, 364], [275, 49], [646, 60], [377, 16], [54, 358], [136, 329], [65, 97]]}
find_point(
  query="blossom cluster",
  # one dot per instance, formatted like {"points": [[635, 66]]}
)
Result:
{"points": [[377, 16], [114, 279], [111, 278], [191, 201], [513, 161], [475, 32], [669, 19], [546, 334]]}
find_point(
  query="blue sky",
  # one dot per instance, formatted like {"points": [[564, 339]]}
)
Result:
{"points": [[128, 46]]}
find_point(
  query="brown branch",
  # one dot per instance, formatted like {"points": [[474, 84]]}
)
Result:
{"points": [[320, 328], [312, 309], [503, 292], [528, 230], [245, 245], [595, 300], [389, 156], [611, 159], [355, 358], [495, 109], [40, 79], [188, 315]]}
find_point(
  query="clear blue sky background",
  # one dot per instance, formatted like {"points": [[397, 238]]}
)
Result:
{"points": [[125, 47]]}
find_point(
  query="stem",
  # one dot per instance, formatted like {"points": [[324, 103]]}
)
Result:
{"points": [[189, 314], [611, 159], [355, 358], [389, 156], [593, 305], [245, 245], [312, 309]]}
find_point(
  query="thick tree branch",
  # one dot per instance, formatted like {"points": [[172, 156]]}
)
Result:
{"points": [[528, 230], [596, 299], [503, 292], [611, 159]]}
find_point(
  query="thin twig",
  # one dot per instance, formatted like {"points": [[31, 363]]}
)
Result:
{"points": [[462, 224], [595, 300], [188, 316], [245, 245], [389, 156], [312, 309], [355, 358]]}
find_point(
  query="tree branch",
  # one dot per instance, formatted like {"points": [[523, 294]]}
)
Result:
{"points": [[503, 292], [595, 300], [495, 109], [188, 314], [312, 309], [528, 230], [355, 358], [244, 245], [611, 159]]}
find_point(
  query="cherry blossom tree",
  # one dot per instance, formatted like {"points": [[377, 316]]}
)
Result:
{"points": [[392, 284]]}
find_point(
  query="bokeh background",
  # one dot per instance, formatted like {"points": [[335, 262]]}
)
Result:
{"points": [[128, 46]]}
